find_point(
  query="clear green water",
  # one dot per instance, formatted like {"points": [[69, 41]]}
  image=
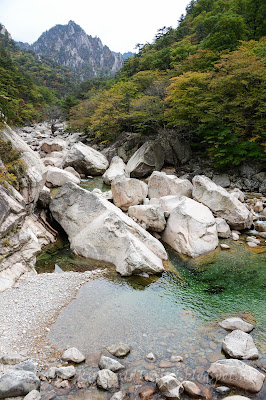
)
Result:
{"points": [[174, 314]]}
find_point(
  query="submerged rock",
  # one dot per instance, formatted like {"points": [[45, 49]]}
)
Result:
{"points": [[170, 387], [221, 203], [99, 230], [237, 373], [191, 228], [240, 345], [236, 323]]}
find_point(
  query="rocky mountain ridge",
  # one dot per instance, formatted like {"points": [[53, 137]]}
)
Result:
{"points": [[69, 45]]}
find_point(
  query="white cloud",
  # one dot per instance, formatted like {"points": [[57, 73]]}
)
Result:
{"points": [[120, 24]]}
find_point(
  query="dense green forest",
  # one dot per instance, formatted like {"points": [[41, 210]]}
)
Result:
{"points": [[205, 80]]}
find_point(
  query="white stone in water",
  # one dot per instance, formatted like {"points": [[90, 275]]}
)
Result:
{"points": [[234, 323], [224, 246], [118, 350], [73, 354], [235, 235], [151, 357], [240, 345], [107, 380], [222, 389], [110, 363], [65, 372], [253, 239], [252, 244], [170, 387]]}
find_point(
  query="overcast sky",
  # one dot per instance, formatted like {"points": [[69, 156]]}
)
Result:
{"points": [[120, 24]]}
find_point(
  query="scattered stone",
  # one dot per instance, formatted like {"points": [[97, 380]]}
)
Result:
{"points": [[118, 396], [33, 395], [18, 383], [51, 373], [240, 345], [107, 380], [65, 372], [253, 239], [26, 366], [73, 355], [170, 387], [224, 246], [176, 359], [119, 350], [193, 389], [110, 363], [151, 357], [252, 244], [222, 389], [234, 323], [12, 359], [146, 391], [235, 235], [237, 373]]}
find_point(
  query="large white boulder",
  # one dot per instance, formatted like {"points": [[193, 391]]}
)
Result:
{"points": [[151, 215], [128, 192], [191, 228], [221, 203], [99, 230], [160, 184], [237, 373], [234, 323], [57, 177], [239, 344], [86, 160], [149, 157], [116, 169]]}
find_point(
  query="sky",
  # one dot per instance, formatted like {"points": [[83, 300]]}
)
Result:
{"points": [[120, 24]]}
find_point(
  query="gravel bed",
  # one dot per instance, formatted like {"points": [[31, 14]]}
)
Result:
{"points": [[31, 306]]}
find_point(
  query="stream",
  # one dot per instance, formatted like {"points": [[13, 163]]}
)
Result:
{"points": [[175, 314]]}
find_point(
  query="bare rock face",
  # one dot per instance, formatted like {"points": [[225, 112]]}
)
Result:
{"points": [[170, 387], [107, 380], [99, 230], [12, 210], [160, 184], [234, 323], [73, 355], [151, 215], [237, 373], [116, 169], [128, 192], [148, 158], [221, 203], [240, 345], [18, 383], [86, 160], [58, 177], [191, 228]]}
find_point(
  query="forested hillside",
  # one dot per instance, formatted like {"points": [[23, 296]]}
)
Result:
{"points": [[204, 81]]}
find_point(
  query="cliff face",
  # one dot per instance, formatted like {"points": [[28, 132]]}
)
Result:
{"points": [[69, 45]]}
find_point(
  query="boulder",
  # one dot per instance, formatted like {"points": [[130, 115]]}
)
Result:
{"points": [[260, 226], [234, 323], [177, 151], [33, 395], [44, 197], [191, 228], [72, 171], [107, 380], [116, 169], [128, 192], [51, 145], [239, 344], [110, 363], [53, 162], [223, 229], [74, 355], [148, 158], [160, 184], [119, 350], [222, 180], [86, 160], [237, 373], [151, 215], [99, 230], [238, 194], [12, 210], [170, 387], [58, 177], [221, 203], [18, 383]]}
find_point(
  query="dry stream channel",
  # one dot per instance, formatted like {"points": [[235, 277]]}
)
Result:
{"points": [[176, 313]]}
